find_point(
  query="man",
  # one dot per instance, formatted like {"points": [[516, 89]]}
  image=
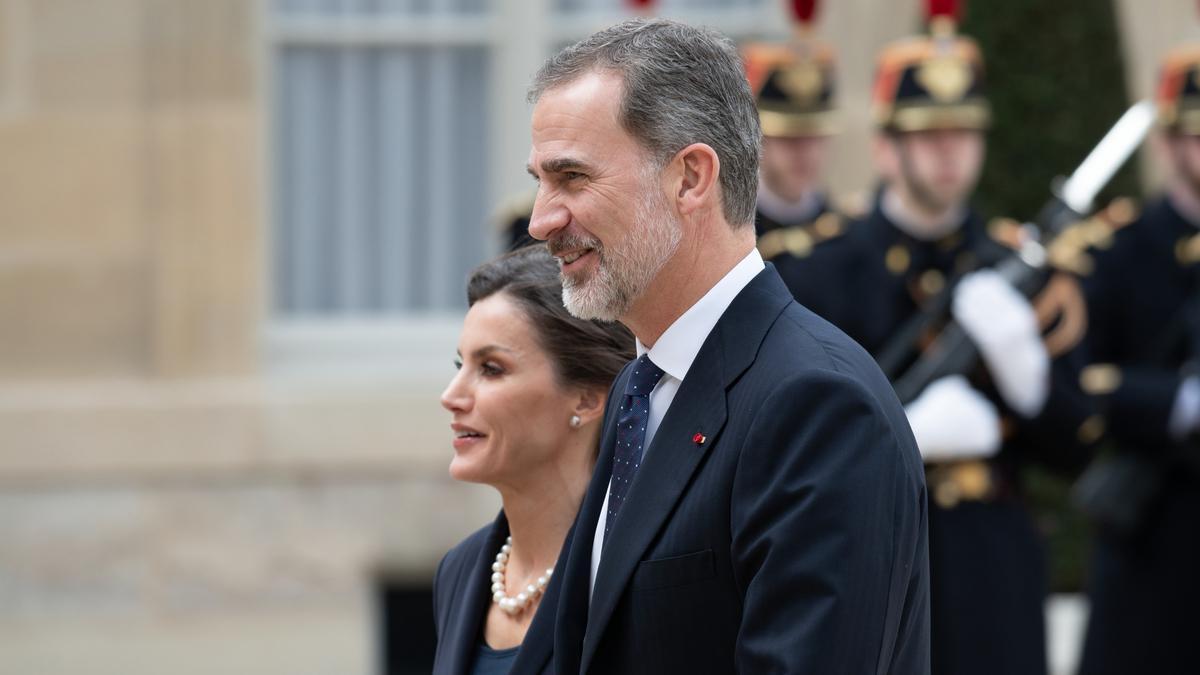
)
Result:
{"points": [[758, 503], [976, 430], [793, 89], [1144, 342]]}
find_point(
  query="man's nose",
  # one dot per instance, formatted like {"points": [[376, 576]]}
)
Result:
{"points": [[546, 219]]}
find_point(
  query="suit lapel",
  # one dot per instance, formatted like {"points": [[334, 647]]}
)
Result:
{"points": [[577, 568], [474, 602], [477, 595], [699, 407], [674, 455], [538, 644]]}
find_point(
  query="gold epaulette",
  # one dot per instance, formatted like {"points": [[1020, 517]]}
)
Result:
{"points": [[513, 208], [1071, 250], [1100, 379], [952, 483], [1006, 232], [800, 240]]}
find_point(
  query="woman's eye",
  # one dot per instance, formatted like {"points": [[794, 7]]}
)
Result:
{"points": [[458, 364], [491, 369]]}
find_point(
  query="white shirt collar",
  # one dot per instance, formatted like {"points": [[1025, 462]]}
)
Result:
{"points": [[677, 347], [786, 212], [895, 211]]}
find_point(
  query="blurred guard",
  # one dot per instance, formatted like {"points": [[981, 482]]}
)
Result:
{"points": [[975, 431], [1144, 300], [513, 220], [793, 84]]}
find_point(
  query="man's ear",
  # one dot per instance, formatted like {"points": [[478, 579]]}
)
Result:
{"points": [[698, 169], [590, 404]]}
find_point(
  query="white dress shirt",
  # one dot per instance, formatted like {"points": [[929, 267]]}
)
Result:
{"points": [[674, 353]]}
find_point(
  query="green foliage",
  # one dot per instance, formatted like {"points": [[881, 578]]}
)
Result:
{"points": [[1056, 81], [1065, 529]]}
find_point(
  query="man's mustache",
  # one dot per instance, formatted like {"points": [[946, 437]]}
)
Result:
{"points": [[571, 242]]}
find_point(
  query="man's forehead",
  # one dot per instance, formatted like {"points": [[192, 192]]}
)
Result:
{"points": [[583, 104], [576, 123], [602, 86]]}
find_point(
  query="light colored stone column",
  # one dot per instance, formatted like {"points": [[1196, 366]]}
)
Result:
{"points": [[203, 166]]}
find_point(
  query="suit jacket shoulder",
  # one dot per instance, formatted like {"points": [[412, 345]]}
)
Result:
{"points": [[454, 572], [777, 521]]}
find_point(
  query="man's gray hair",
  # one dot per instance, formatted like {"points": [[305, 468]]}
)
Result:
{"points": [[682, 85]]}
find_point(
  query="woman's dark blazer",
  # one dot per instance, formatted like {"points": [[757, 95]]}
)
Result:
{"points": [[462, 592]]}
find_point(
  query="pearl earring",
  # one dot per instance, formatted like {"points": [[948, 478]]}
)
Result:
{"points": [[575, 421]]}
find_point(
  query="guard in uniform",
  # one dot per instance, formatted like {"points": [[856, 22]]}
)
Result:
{"points": [[793, 85], [1144, 302], [920, 245], [513, 220]]}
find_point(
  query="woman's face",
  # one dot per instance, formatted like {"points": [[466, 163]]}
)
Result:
{"points": [[511, 416]]}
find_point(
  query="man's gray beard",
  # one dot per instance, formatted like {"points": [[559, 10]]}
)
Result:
{"points": [[622, 275]]}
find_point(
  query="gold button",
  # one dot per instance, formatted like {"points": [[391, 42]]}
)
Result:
{"points": [[950, 241], [1100, 379], [974, 480], [797, 242], [897, 259], [932, 282], [947, 495], [1187, 250], [829, 225], [1091, 430]]}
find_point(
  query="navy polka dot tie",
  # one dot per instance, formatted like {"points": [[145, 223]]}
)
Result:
{"points": [[631, 433]]}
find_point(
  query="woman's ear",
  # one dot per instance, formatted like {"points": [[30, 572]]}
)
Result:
{"points": [[590, 404]]}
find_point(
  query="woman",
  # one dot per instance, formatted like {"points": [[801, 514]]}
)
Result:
{"points": [[527, 404]]}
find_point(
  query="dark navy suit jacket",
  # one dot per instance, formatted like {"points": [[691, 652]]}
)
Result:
{"points": [[461, 598], [793, 539]]}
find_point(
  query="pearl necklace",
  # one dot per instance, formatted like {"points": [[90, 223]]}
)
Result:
{"points": [[514, 605]]}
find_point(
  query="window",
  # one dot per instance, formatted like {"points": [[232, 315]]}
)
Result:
{"points": [[380, 156], [398, 125]]}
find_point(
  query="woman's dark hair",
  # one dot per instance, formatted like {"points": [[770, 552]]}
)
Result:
{"points": [[584, 353]]}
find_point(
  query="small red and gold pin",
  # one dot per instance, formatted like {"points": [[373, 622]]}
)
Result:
{"points": [[699, 438]]}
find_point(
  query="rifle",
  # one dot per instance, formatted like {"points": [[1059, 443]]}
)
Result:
{"points": [[1116, 492], [952, 352]]}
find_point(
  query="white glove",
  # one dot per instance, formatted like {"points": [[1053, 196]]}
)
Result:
{"points": [[1185, 413], [951, 420], [1002, 323]]}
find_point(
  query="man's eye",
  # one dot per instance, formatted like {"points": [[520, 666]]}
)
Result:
{"points": [[572, 175]]}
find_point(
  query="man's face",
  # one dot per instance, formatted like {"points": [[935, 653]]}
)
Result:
{"points": [[937, 168], [1185, 160], [792, 167], [601, 206]]}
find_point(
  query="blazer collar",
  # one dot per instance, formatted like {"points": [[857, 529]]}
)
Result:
{"points": [[476, 599]]}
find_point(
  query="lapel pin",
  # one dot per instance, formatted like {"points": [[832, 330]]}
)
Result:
{"points": [[699, 439]]}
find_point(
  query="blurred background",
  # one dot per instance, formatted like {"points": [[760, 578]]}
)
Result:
{"points": [[234, 236]]}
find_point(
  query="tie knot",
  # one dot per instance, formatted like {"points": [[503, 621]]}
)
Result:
{"points": [[644, 378]]}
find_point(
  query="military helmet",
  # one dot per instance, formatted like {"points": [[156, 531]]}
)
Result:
{"points": [[1178, 95], [793, 86], [933, 81]]}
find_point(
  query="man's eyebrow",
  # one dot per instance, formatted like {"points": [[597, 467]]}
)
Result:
{"points": [[558, 165]]}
